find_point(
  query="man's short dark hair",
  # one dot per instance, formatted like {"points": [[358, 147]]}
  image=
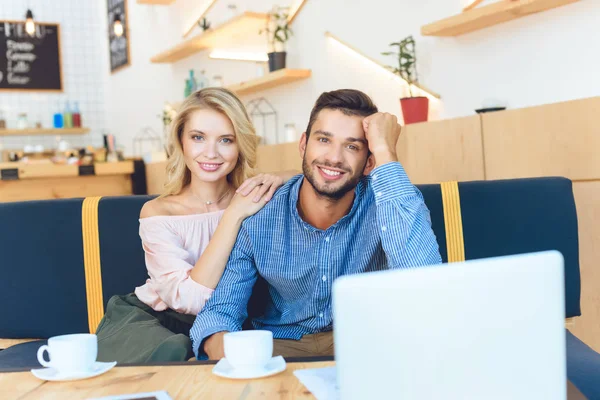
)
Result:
{"points": [[348, 101]]}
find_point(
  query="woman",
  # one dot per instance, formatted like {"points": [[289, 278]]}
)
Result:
{"points": [[210, 189]]}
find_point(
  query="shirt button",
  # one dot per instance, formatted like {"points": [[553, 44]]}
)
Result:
{"points": [[375, 177], [384, 228], [327, 239], [324, 278], [379, 194], [321, 315]]}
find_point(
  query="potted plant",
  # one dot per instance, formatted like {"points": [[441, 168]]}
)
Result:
{"points": [[414, 108], [168, 115], [278, 33]]}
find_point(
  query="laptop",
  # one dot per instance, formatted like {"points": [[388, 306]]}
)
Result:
{"points": [[482, 329]]}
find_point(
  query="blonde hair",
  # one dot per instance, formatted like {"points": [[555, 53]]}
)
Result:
{"points": [[178, 176]]}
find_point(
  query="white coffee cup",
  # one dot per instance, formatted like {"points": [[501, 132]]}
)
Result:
{"points": [[248, 350], [70, 353]]}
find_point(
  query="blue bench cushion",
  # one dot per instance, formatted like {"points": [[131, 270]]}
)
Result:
{"points": [[583, 367], [516, 216], [22, 355], [42, 252], [43, 278]]}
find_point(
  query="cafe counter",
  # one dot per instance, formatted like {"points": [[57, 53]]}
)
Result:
{"points": [[19, 181]]}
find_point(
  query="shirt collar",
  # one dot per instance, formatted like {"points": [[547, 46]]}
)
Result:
{"points": [[295, 192]]}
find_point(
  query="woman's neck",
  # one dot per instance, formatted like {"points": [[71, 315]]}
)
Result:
{"points": [[213, 192]]}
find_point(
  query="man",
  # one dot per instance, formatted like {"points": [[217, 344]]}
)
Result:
{"points": [[354, 210]]}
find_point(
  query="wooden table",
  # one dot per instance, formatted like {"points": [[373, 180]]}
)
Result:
{"points": [[182, 381], [188, 381]]}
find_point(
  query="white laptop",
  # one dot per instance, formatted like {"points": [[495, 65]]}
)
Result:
{"points": [[482, 329]]}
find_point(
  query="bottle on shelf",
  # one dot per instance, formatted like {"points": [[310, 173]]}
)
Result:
{"points": [[191, 85], [57, 120], [67, 116], [76, 116], [202, 80], [193, 81]]}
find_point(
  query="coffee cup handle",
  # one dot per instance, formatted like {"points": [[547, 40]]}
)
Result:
{"points": [[40, 356]]}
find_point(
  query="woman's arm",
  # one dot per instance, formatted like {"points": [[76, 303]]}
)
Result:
{"points": [[211, 264], [257, 192]]}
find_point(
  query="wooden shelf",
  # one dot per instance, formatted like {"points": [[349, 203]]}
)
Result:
{"points": [[274, 79], [271, 80], [493, 14], [156, 2], [236, 29], [43, 131]]}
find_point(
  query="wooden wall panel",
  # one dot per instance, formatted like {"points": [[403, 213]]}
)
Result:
{"points": [[280, 157], [155, 177], [587, 198], [444, 150], [431, 152], [559, 139]]}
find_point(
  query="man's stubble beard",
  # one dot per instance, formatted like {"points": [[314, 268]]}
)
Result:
{"points": [[332, 194]]}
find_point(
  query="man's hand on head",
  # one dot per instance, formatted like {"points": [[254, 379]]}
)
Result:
{"points": [[213, 346], [382, 132]]}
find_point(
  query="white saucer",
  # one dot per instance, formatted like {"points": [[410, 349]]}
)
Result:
{"points": [[50, 374], [273, 367]]}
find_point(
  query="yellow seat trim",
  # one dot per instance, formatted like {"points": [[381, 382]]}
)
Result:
{"points": [[453, 222], [91, 261]]}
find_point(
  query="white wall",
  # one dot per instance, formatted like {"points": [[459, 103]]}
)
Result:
{"points": [[544, 58], [84, 53]]}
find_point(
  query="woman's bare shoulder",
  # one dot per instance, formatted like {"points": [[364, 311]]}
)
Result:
{"points": [[160, 206]]}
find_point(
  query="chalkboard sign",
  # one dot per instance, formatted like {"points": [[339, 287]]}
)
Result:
{"points": [[30, 62], [118, 46]]}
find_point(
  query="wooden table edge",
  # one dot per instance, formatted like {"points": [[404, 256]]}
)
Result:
{"points": [[290, 360]]}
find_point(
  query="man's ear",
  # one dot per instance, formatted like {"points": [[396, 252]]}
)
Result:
{"points": [[302, 146], [370, 165]]}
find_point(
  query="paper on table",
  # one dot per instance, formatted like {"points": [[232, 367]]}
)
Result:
{"points": [[322, 382], [160, 395]]}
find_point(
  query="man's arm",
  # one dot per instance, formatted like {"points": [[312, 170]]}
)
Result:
{"points": [[403, 218], [228, 307]]}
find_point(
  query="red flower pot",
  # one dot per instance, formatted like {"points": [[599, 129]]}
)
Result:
{"points": [[414, 109]]}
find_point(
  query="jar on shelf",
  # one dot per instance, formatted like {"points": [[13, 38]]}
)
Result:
{"points": [[217, 81], [22, 122], [2, 120], [260, 69], [291, 135]]}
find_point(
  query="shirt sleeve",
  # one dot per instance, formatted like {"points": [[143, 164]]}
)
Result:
{"points": [[228, 307], [403, 218], [169, 267]]}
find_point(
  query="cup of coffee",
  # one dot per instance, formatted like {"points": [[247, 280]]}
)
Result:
{"points": [[70, 353], [248, 350]]}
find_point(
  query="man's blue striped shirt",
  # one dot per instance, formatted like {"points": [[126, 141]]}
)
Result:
{"points": [[388, 226]]}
